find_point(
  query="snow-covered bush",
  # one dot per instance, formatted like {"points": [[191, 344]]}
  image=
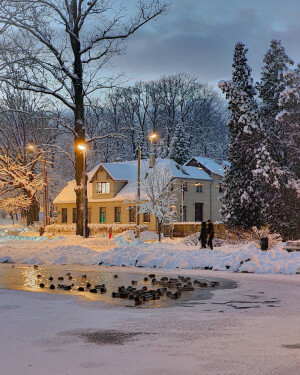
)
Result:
{"points": [[273, 238], [236, 236], [95, 229]]}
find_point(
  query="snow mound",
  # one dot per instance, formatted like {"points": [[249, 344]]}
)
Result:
{"points": [[170, 254]]}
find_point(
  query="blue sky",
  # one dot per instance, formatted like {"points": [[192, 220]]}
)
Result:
{"points": [[198, 37]]}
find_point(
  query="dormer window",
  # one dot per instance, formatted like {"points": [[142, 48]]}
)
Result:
{"points": [[102, 187]]}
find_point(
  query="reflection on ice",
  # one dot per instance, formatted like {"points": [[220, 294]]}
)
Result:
{"points": [[102, 283]]}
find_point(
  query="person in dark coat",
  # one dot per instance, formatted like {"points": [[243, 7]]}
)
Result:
{"points": [[203, 235], [211, 233]]}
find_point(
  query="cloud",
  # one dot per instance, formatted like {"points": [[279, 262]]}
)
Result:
{"points": [[198, 37]]}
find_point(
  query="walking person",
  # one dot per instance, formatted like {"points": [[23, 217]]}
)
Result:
{"points": [[211, 233], [203, 235], [110, 233]]}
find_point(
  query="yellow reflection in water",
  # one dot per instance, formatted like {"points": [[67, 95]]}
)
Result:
{"points": [[29, 278]]}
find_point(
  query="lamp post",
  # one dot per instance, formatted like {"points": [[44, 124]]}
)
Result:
{"points": [[138, 233], [152, 137], [33, 148], [82, 147]]}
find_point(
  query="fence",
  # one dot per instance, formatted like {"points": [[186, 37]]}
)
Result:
{"points": [[188, 228]]}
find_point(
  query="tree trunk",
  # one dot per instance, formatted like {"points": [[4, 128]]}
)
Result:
{"points": [[32, 214], [159, 231], [78, 125]]}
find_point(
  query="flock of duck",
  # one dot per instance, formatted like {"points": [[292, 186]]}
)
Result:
{"points": [[154, 290]]}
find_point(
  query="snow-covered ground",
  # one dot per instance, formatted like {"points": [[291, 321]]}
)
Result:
{"points": [[20, 246], [250, 330]]}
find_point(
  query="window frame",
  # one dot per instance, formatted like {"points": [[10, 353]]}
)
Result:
{"points": [[132, 214], [184, 186], [118, 214], [102, 210], [100, 184], [146, 214], [199, 188], [74, 215], [64, 215]]}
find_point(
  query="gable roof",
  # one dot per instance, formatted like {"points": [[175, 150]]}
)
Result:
{"points": [[127, 172], [210, 164]]}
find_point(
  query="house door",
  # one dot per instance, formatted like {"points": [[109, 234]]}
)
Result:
{"points": [[198, 211]]}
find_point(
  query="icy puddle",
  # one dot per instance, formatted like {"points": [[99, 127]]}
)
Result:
{"points": [[100, 284]]}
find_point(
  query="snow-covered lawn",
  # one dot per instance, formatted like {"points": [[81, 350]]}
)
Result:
{"points": [[251, 330], [124, 250]]}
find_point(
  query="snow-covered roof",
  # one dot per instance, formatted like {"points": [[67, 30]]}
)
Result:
{"points": [[127, 172], [210, 164]]}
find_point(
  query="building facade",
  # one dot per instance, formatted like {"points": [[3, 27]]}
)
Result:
{"points": [[112, 188]]}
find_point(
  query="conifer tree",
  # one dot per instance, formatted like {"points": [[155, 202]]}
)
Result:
{"points": [[278, 158], [288, 123], [285, 204], [273, 82], [179, 147], [241, 201]]}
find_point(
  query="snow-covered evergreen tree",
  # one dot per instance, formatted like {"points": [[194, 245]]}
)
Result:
{"points": [[180, 145], [278, 156], [288, 123], [241, 202], [285, 203], [273, 82]]}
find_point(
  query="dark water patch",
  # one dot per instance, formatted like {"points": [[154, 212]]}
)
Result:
{"points": [[291, 346], [103, 337], [245, 307], [9, 307]]}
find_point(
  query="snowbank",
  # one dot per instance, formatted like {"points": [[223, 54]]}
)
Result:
{"points": [[238, 258], [123, 250]]}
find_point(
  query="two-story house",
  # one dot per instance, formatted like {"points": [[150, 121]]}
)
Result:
{"points": [[216, 172], [112, 187]]}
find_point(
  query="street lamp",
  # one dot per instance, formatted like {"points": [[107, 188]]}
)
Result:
{"points": [[33, 148], [82, 147], [152, 137]]}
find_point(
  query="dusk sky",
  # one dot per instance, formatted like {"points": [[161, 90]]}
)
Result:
{"points": [[198, 37]]}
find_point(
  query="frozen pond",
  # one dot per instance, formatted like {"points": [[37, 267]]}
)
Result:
{"points": [[29, 278]]}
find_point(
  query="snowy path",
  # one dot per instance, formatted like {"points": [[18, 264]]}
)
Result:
{"points": [[45, 329]]}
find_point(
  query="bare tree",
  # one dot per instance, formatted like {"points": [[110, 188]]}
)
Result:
{"points": [[18, 184], [23, 122], [159, 196], [59, 48]]}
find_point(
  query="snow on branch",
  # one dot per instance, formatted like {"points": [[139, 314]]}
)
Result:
{"points": [[160, 195]]}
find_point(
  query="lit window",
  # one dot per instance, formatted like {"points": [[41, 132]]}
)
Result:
{"points": [[102, 187]]}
